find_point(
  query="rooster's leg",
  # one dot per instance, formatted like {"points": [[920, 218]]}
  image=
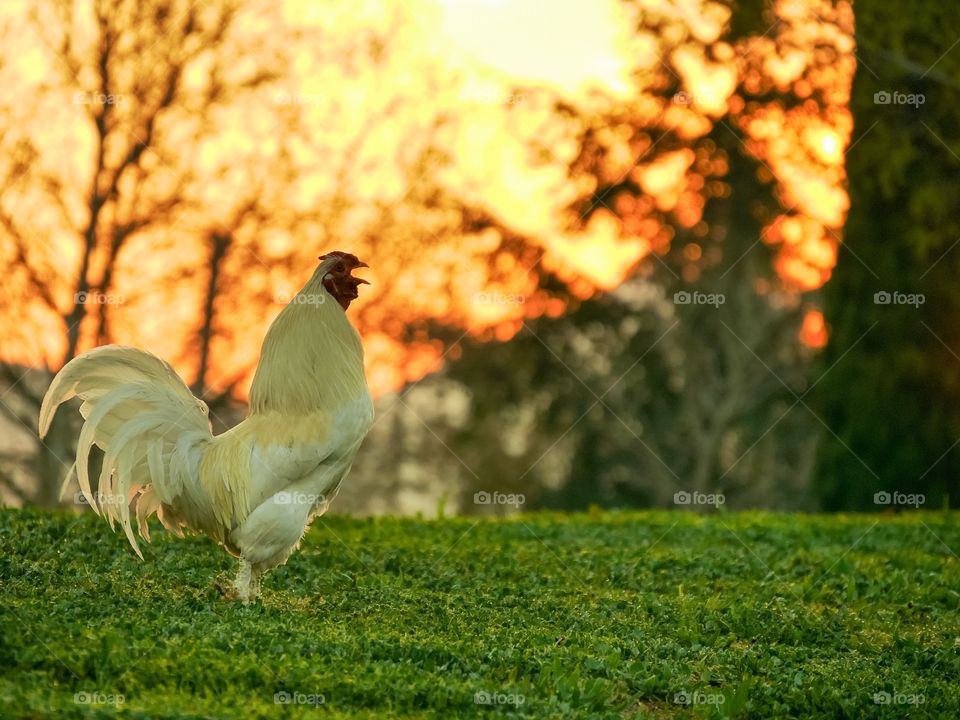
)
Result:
{"points": [[245, 588], [242, 583], [226, 588], [254, 585], [248, 582]]}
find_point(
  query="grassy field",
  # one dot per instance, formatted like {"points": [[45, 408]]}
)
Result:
{"points": [[654, 614]]}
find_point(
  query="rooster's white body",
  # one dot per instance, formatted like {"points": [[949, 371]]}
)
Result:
{"points": [[255, 488]]}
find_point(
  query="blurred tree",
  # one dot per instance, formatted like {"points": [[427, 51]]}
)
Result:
{"points": [[130, 70], [638, 394], [178, 124], [650, 389], [892, 383]]}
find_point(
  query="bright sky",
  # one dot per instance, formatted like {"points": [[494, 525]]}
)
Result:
{"points": [[568, 45]]}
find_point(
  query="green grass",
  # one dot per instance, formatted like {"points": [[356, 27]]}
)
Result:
{"points": [[596, 615]]}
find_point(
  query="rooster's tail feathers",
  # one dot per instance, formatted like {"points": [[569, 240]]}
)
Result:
{"points": [[153, 431]]}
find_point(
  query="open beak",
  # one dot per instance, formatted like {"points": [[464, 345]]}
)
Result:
{"points": [[360, 281]]}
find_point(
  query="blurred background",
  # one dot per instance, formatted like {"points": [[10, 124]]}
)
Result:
{"points": [[624, 253]]}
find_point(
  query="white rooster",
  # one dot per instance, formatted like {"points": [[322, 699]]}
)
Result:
{"points": [[255, 488]]}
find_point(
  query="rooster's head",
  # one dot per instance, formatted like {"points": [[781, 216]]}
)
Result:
{"points": [[337, 279]]}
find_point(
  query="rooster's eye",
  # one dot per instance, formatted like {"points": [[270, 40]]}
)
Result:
{"points": [[340, 268]]}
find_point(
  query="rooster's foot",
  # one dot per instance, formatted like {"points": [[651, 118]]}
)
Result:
{"points": [[246, 588], [226, 588]]}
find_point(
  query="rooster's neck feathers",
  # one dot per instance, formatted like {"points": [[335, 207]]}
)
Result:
{"points": [[312, 358]]}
